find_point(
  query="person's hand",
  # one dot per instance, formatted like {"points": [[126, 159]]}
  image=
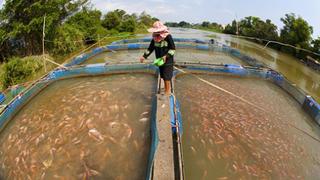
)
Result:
{"points": [[164, 59], [142, 59]]}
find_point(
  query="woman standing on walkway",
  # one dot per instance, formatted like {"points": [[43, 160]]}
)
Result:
{"points": [[164, 47]]}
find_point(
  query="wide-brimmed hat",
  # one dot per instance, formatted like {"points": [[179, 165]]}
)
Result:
{"points": [[158, 27]]}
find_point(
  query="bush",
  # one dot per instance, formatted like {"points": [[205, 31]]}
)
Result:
{"points": [[19, 70]]}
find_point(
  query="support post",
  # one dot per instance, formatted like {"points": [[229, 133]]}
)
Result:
{"points": [[43, 36]]}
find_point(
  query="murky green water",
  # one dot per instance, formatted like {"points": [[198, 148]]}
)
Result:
{"points": [[116, 57], [182, 55], [305, 78], [226, 138], [291, 67], [92, 127]]}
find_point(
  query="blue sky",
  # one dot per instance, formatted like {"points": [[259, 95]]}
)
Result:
{"points": [[221, 11]]}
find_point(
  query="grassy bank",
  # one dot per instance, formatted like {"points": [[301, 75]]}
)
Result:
{"points": [[26, 69]]}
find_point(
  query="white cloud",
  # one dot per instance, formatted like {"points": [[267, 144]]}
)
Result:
{"points": [[156, 7]]}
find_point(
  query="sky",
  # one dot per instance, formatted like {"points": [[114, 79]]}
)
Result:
{"points": [[220, 11]]}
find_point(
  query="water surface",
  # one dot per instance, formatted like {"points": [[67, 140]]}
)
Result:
{"points": [[226, 138], [90, 127]]}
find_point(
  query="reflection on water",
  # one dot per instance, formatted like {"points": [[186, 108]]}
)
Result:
{"points": [[94, 127], [225, 138]]}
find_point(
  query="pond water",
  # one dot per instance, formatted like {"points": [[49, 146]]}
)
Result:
{"points": [[88, 127], [226, 138]]}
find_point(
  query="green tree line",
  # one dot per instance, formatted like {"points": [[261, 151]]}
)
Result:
{"points": [[296, 32], [69, 26]]}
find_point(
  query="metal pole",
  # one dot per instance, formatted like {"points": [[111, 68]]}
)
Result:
{"points": [[43, 35], [99, 40], [237, 24]]}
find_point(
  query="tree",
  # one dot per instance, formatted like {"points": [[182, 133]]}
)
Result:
{"points": [[172, 24], [184, 24], [205, 24], [296, 31], [22, 21], [146, 19], [255, 27], [231, 29], [88, 22], [111, 20], [128, 25], [316, 45]]}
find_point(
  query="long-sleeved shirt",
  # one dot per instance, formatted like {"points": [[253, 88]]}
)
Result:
{"points": [[165, 47]]}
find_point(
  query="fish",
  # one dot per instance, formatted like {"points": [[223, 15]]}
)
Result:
{"points": [[75, 140], [210, 155], [129, 133], [126, 106], [114, 107], [82, 124], [205, 174], [89, 124], [89, 172], [43, 175], [112, 139], [107, 153], [222, 178], [143, 119], [136, 145], [47, 163], [193, 149], [40, 139], [95, 134], [144, 113]]}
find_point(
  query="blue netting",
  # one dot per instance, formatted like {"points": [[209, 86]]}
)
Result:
{"points": [[172, 118], [154, 138], [275, 77], [311, 107], [2, 98], [134, 46], [186, 46], [203, 47], [179, 116], [175, 115], [225, 69]]}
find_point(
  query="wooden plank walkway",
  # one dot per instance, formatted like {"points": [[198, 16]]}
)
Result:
{"points": [[164, 162]]}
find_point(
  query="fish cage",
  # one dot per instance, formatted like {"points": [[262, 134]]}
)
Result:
{"points": [[168, 115]]}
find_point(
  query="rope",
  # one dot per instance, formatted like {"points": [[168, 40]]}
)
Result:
{"points": [[246, 101], [53, 62]]}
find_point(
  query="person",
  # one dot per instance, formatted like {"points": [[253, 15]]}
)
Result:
{"points": [[164, 47]]}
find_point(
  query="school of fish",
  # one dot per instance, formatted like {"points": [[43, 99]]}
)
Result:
{"points": [[225, 138], [82, 128]]}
